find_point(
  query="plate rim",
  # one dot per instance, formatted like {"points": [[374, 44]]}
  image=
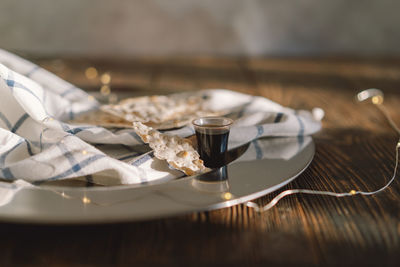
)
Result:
{"points": [[89, 221]]}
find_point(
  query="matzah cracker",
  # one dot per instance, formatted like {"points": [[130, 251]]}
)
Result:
{"points": [[177, 151], [162, 112]]}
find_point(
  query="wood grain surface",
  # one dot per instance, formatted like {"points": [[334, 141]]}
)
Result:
{"points": [[355, 150]]}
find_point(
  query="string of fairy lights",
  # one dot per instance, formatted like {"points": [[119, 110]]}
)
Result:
{"points": [[374, 95]]}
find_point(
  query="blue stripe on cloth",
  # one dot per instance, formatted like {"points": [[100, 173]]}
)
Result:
{"points": [[278, 117], [67, 154], [80, 129], [259, 152], [10, 83], [19, 122], [4, 155], [76, 129], [143, 159], [7, 174], [300, 135], [41, 141], [5, 120], [22, 140], [260, 130], [40, 145], [29, 148], [13, 84], [32, 71], [73, 169]]}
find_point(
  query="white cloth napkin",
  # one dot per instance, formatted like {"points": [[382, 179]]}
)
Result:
{"points": [[37, 145]]}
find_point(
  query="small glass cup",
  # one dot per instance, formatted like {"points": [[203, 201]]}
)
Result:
{"points": [[212, 139]]}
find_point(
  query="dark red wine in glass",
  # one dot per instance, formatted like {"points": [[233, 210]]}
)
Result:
{"points": [[212, 135]]}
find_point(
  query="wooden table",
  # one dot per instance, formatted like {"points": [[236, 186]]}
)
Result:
{"points": [[355, 150]]}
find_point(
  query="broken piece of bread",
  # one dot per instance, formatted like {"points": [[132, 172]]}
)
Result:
{"points": [[177, 151]]}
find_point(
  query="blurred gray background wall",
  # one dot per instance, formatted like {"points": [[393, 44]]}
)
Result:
{"points": [[179, 27]]}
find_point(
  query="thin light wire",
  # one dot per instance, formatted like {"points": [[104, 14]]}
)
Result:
{"points": [[379, 105], [388, 118]]}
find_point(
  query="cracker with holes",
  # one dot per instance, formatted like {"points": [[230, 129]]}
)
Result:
{"points": [[157, 111], [177, 151], [161, 112]]}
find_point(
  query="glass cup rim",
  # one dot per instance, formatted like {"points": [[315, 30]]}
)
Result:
{"points": [[229, 122]]}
